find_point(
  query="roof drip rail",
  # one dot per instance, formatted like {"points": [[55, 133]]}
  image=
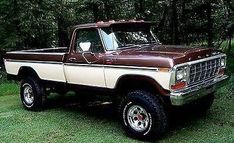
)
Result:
{"points": [[111, 21], [100, 22]]}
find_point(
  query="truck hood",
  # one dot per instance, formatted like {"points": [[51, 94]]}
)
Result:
{"points": [[162, 55]]}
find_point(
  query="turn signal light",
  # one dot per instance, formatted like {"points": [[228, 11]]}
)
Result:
{"points": [[164, 69], [178, 85], [221, 71]]}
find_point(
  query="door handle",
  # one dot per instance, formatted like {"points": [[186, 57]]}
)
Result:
{"points": [[72, 59]]}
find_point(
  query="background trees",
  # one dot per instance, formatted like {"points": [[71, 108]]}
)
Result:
{"points": [[46, 23]]}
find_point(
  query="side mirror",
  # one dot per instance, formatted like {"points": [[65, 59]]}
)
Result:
{"points": [[85, 46]]}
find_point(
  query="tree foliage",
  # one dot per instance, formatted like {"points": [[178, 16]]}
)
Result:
{"points": [[46, 23]]}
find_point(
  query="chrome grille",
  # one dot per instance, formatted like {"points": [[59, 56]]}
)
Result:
{"points": [[203, 71]]}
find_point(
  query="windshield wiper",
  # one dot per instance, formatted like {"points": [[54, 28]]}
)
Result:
{"points": [[139, 46], [129, 46]]}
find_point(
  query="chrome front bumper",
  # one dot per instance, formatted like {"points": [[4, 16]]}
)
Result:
{"points": [[195, 92]]}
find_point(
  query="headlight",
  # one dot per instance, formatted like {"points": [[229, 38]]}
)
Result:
{"points": [[181, 74], [180, 78], [223, 62]]}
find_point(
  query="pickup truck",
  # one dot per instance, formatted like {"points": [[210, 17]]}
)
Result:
{"points": [[125, 60]]}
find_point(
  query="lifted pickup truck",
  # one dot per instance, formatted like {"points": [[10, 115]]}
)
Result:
{"points": [[123, 59]]}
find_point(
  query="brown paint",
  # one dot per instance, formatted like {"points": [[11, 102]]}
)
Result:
{"points": [[34, 57], [160, 56], [113, 23]]}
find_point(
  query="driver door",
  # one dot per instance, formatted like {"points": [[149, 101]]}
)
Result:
{"points": [[84, 65]]}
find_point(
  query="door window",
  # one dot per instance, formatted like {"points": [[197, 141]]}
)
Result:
{"points": [[88, 40]]}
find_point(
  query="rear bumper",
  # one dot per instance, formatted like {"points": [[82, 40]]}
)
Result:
{"points": [[190, 94]]}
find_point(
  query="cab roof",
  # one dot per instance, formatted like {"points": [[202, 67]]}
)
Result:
{"points": [[111, 23]]}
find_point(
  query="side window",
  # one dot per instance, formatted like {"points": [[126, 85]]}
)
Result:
{"points": [[88, 40]]}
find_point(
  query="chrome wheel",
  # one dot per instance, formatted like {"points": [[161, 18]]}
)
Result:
{"points": [[28, 94], [138, 118]]}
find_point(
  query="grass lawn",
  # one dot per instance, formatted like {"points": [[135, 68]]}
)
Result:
{"points": [[225, 44], [66, 121]]}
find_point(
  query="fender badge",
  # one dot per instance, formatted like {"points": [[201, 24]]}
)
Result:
{"points": [[109, 61]]}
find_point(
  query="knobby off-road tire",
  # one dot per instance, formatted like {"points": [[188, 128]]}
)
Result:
{"points": [[143, 115], [32, 94]]}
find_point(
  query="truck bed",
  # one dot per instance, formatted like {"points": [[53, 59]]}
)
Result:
{"points": [[47, 63], [49, 54], [56, 50]]}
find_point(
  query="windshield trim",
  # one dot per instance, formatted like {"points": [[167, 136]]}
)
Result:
{"points": [[156, 41]]}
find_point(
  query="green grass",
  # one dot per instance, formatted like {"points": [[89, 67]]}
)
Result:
{"points": [[8, 89], [66, 121], [224, 45]]}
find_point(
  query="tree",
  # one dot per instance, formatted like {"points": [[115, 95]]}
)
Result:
{"points": [[46, 23]]}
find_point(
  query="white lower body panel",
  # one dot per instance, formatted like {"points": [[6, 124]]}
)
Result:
{"points": [[114, 74], [88, 75], [46, 71], [85, 75]]}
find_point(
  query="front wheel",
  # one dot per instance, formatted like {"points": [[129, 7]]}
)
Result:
{"points": [[32, 94], [143, 115]]}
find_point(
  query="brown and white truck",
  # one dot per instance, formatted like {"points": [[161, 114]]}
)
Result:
{"points": [[125, 60]]}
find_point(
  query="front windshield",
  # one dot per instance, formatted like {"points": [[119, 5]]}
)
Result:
{"points": [[122, 37]]}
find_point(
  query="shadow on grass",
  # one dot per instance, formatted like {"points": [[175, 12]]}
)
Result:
{"points": [[90, 107], [102, 110]]}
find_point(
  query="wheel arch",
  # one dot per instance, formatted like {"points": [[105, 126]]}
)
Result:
{"points": [[132, 81], [26, 71]]}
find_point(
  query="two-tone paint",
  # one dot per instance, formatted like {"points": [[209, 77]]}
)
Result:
{"points": [[105, 69]]}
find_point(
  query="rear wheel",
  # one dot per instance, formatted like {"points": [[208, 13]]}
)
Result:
{"points": [[32, 94], [143, 116]]}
